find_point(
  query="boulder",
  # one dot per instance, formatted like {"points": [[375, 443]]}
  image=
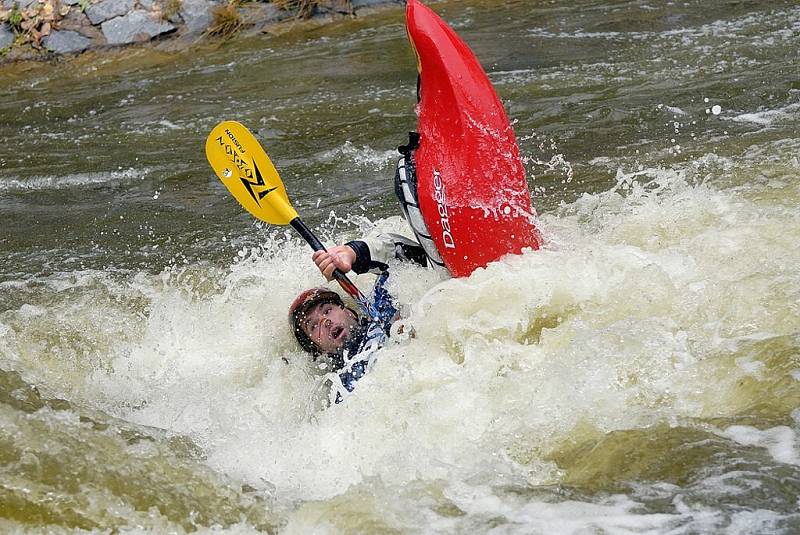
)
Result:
{"points": [[71, 2], [335, 6], [258, 14], [66, 42], [108, 9], [77, 21], [147, 4], [136, 26], [357, 4], [197, 15], [6, 36], [174, 18], [21, 4]]}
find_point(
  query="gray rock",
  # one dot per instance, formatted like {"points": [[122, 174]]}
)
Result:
{"points": [[259, 14], [137, 25], [6, 36], [147, 4], [369, 3], [21, 4], [66, 42], [197, 15], [71, 2], [77, 21], [108, 9]]}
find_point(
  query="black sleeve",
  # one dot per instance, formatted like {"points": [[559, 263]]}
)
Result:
{"points": [[391, 245], [364, 263]]}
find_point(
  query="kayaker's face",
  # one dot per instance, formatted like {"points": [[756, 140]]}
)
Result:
{"points": [[329, 326]]}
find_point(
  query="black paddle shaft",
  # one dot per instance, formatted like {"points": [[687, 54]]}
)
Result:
{"points": [[306, 233], [340, 277]]}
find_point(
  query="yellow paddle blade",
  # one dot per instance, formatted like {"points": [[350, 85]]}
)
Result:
{"points": [[239, 161]]}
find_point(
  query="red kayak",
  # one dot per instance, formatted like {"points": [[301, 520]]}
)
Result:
{"points": [[470, 182]]}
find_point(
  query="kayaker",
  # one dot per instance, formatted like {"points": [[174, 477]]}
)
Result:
{"points": [[329, 329]]}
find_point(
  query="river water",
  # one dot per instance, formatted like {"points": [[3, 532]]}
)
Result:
{"points": [[639, 374]]}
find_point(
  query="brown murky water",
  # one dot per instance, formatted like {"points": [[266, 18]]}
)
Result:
{"points": [[638, 375]]}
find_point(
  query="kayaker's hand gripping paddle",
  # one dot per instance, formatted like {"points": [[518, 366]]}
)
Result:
{"points": [[241, 163]]}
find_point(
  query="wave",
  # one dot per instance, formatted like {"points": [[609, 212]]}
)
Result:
{"points": [[79, 180]]}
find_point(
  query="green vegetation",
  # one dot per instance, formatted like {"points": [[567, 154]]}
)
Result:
{"points": [[15, 17], [32, 24], [305, 9], [170, 9], [35, 22], [227, 20]]}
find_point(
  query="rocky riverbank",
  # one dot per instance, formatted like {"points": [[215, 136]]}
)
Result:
{"points": [[43, 29]]}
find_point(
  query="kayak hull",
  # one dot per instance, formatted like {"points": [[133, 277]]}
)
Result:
{"points": [[471, 183]]}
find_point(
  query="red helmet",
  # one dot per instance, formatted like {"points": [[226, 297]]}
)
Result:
{"points": [[301, 305]]}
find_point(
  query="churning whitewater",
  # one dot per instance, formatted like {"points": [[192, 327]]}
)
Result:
{"points": [[638, 374], [664, 305]]}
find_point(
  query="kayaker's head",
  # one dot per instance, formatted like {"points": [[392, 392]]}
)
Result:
{"points": [[321, 322]]}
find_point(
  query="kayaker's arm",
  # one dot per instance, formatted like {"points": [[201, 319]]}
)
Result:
{"points": [[374, 254], [370, 255]]}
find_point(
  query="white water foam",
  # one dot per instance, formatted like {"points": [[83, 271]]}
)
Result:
{"points": [[781, 442], [768, 117], [364, 157], [39, 183], [630, 317], [783, 21]]}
